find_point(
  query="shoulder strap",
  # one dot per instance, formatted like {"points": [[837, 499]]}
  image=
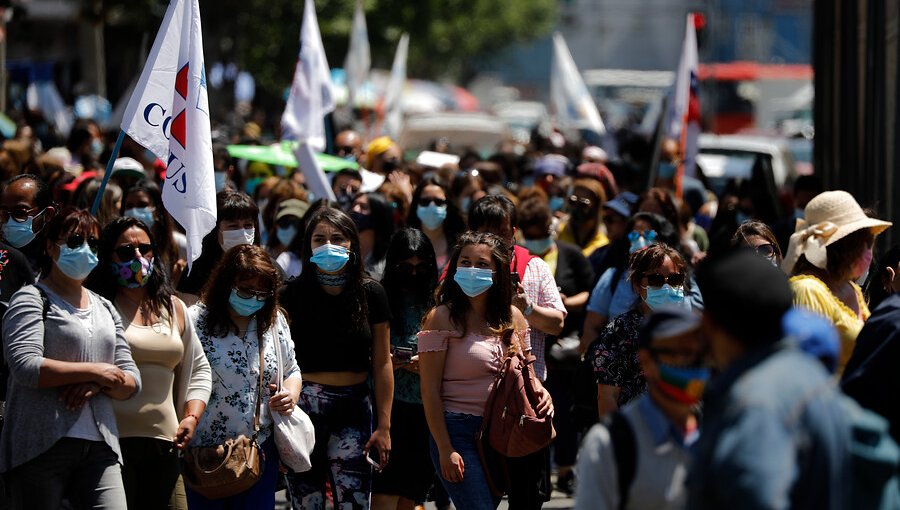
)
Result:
{"points": [[624, 448], [260, 343], [521, 258], [45, 302], [616, 277]]}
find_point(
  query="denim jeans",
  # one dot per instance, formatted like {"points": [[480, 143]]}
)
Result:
{"points": [[87, 473], [472, 493], [259, 497]]}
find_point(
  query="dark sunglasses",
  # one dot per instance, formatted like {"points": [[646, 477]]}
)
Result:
{"points": [[76, 241], [246, 293], [20, 215], [766, 250], [649, 235], [346, 149], [126, 252], [410, 269], [658, 280], [425, 201]]}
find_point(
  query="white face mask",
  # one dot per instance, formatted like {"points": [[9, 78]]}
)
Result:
{"points": [[232, 238]]}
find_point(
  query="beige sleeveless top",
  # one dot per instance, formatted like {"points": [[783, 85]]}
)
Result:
{"points": [[157, 350]]}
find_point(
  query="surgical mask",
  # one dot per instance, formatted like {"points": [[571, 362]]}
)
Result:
{"points": [[464, 204], [77, 264], [251, 184], [557, 203], [232, 238], [286, 234], [350, 157], [144, 214], [432, 215], [134, 273], [667, 170], [244, 307], [330, 257], [220, 178], [538, 246], [473, 281], [682, 384], [664, 296], [96, 147], [741, 217], [19, 234], [639, 240]]}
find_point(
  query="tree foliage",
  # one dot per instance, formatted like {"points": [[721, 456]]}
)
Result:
{"points": [[447, 37]]}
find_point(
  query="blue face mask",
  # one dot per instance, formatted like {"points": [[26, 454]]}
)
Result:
{"points": [[473, 281], [464, 204], [330, 257], [245, 307], [96, 147], [19, 234], [639, 240], [557, 203], [432, 215], [144, 214], [77, 263], [286, 235], [538, 246], [664, 296], [666, 170], [220, 178]]}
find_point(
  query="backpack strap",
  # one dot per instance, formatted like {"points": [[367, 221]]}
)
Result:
{"points": [[521, 258], [45, 301], [624, 446]]}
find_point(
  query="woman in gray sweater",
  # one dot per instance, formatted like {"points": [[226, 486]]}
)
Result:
{"points": [[68, 359]]}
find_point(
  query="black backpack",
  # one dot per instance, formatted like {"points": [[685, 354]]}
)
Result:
{"points": [[624, 446]]}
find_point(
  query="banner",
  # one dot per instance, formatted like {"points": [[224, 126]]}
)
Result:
{"points": [[359, 60], [684, 122], [572, 102], [393, 93], [169, 114]]}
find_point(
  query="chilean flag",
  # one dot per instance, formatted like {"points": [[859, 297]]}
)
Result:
{"points": [[685, 120], [169, 114]]}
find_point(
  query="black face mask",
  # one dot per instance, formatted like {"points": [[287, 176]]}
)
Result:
{"points": [[363, 221], [389, 165], [580, 213]]}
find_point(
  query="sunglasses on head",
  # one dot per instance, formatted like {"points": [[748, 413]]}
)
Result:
{"points": [[126, 252], [246, 293], [580, 202], [426, 201], [76, 241], [658, 280]]}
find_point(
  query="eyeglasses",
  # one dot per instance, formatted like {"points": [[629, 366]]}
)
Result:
{"points": [[425, 201], [346, 149], [76, 241], [766, 250], [580, 202], [411, 269], [246, 293], [20, 215], [658, 280], [126, 252], [649, 235]]}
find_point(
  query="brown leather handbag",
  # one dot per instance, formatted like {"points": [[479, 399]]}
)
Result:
{"points": [[221, 471]]}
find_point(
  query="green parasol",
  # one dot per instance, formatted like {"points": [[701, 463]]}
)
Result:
{"points": [[282, 154]]}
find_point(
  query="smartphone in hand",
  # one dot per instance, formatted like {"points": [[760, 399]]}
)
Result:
{"points": [[402, 354], [374, 459]]}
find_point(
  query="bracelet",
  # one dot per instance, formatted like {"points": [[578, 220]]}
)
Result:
{"points": [[192, 415]]}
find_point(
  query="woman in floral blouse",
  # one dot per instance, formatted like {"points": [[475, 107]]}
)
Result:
{"points": [[658, 274], [239, 309]]}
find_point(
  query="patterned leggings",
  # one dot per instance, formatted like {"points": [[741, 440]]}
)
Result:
{"points": [[342, 417]]}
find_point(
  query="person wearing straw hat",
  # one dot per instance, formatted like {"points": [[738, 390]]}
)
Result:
{"points": [[829, 251]]}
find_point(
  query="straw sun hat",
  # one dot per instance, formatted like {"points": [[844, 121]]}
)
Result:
{"points": [[830, 217]]}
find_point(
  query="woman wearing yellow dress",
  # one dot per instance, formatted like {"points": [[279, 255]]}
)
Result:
{"points": [[829, 251]]}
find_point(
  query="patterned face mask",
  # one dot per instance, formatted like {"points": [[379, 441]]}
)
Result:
{"points": [[133, 273]]}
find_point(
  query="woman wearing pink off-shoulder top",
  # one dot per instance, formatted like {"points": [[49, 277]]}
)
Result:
{"points": [[461, 348]]}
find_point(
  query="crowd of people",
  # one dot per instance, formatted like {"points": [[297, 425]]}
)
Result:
{"points": [[393, 308]]}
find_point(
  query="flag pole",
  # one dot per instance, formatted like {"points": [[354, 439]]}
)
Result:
{"points": [[109, 168]]}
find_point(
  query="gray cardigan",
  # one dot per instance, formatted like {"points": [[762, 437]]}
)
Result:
{"points": [[35, 419]]}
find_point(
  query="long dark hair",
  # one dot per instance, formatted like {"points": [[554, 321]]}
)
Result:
{"points": [[356, 274], [163, 226], [406, 244], [158, 302], [498, 315], [70, 219], [454, 224], [239, 263]]}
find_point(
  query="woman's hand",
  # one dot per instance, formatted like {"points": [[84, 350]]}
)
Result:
{"points": [[452, 467], [413, 365], [75, 395], [281, 402], [108, 375], [185, 432], [381, 441], [544, 406]]}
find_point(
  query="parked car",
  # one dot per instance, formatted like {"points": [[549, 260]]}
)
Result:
{"points": [[726, 157]]}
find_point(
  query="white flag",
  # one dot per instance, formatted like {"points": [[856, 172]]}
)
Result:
{"points": [[684, 118], [169, 114], [359, 59], [394, 91], [311, 96], [572, 103]]}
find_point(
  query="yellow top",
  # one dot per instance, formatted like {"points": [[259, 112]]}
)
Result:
{"points": [[598, 241], [813, 294]]}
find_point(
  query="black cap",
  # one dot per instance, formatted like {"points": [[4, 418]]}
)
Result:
{"points": [[667, 322], [746, 295]]}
